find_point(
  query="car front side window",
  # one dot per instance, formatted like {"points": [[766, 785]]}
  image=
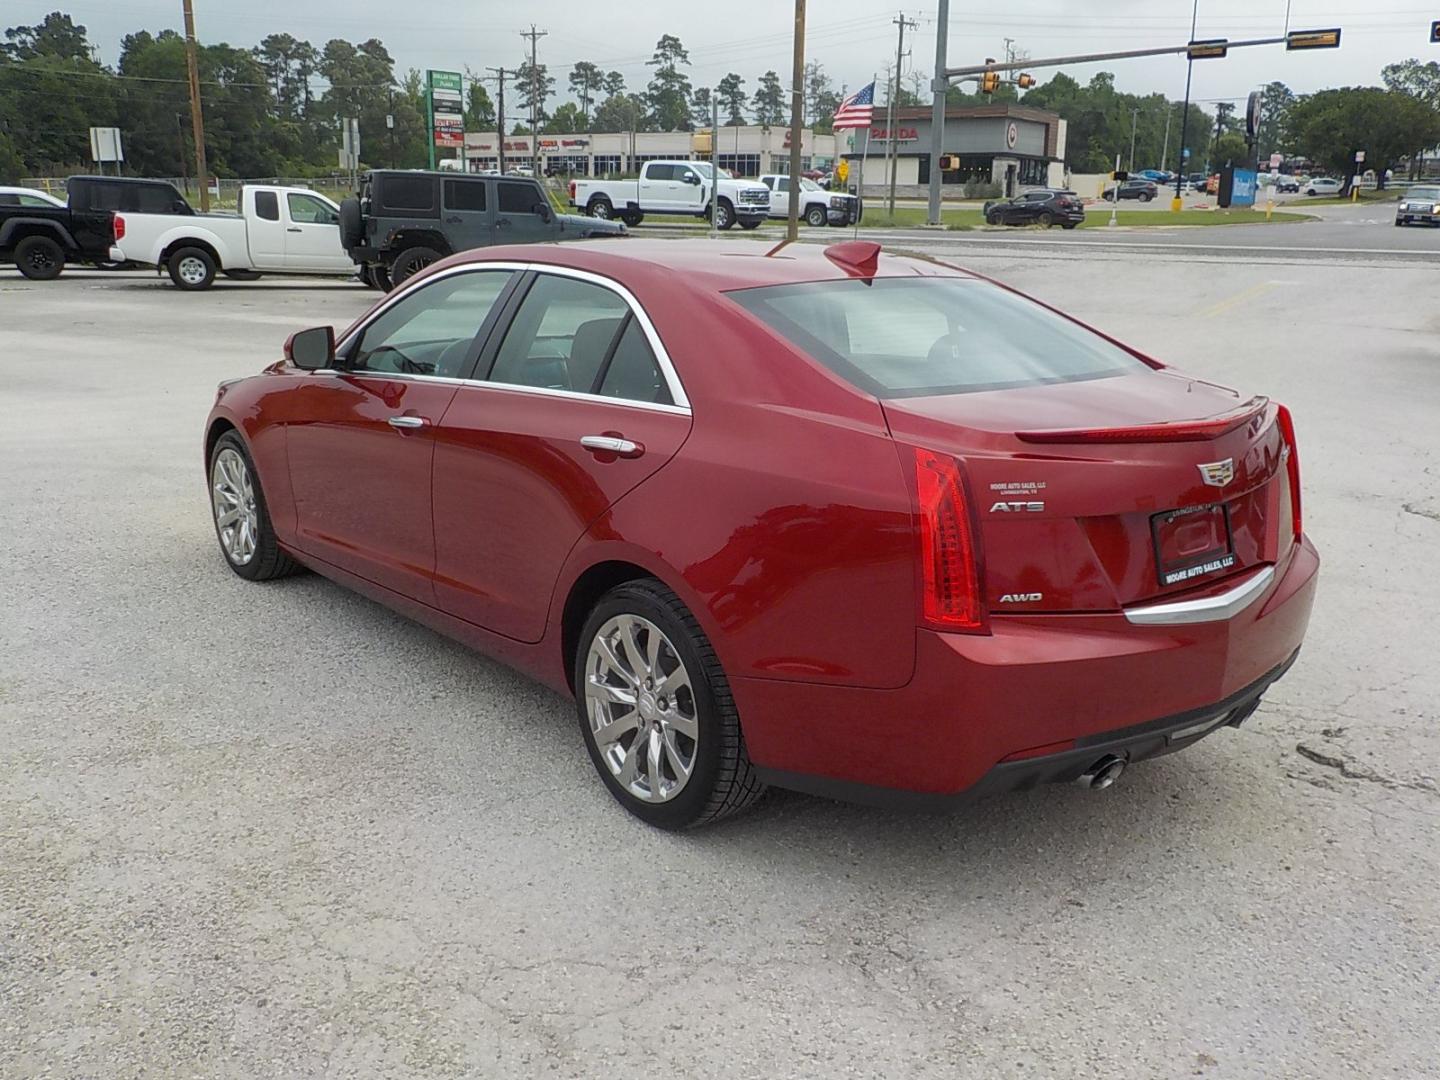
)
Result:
{"points": [[308, 210], [431, 330], [560, 336]]}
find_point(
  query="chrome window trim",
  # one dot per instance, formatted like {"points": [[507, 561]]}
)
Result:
{"points": [[1207, 609], [681, 402]]}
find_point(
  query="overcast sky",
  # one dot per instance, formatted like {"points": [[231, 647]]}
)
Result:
{"points": [[853, 39]]}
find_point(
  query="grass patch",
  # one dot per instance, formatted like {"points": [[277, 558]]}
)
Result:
{"points": [[1099, 217]]}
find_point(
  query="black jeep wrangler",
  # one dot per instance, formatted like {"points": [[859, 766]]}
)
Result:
{"points": [[404, 220]]}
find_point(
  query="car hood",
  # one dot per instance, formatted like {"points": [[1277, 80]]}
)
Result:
{"points": [[576, 226]]}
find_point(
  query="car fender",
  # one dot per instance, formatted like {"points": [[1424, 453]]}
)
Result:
{"points": [[13, 225], [189, 235]]}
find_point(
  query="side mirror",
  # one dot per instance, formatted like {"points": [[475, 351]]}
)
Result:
{"points": [[691, 178], [545, 213], [313, 349]]}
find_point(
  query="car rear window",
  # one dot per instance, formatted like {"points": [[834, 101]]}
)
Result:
{"points": [[409, 192], [906, 337]]}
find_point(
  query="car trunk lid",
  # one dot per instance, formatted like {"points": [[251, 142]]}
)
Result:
{"points": [[1097, 494]]}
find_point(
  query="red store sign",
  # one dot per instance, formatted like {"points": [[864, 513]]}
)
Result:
{"points": [[901, 134]]}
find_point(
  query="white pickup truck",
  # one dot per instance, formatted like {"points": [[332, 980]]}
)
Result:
{"points": [[279, 230], [674, 187], [817, 206]]}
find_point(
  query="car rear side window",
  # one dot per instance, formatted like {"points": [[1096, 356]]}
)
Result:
{"points": [[660, 172], [905, 337], [632, 373], [516, 198], [465, 194], [151, 199], [408, 193], [267, 205]]}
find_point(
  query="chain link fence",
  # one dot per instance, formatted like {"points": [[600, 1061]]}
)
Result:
{"points": [[228, 195]]}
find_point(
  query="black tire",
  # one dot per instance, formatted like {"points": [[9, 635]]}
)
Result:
{"points": [[1145, 196], [599, 207], [39, 258], [1046, 219], [816, 216], [632, 218], [992, 219], [269, 560], [1069, 224], [191, 269], [242, 275], [750, 223], [722, 781], [724, 215], [380, 275], [411, 261], [352, 224]]}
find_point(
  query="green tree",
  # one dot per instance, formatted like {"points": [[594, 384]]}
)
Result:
{"points": [[1420, 81], [567, 120], [1331, 126], [586, 80], [479, 109], [769, 101], [613, 84], [54, 36], [732, 99], [1276, 101], [669, 89], [700, 106], [622, 112], [532, 85], [12, 166]]}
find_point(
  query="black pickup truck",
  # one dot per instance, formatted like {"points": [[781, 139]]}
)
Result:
{"points": [[40, 240]]}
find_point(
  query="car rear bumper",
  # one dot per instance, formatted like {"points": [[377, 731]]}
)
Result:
{"points": [[1040, 698]]}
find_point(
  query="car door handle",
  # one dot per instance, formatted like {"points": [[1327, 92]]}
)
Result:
{"points": [[611, 444], [502, 223], [407, 422], [294, 228], [452, 221]]}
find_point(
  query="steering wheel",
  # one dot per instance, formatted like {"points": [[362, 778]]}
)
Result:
{"points": [[407, 365]]}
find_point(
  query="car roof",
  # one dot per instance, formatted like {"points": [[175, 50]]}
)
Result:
{"points": [[704, 264]]}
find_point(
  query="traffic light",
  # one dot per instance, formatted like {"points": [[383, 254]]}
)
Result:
{"points": [[1210, 49], [1120, 174], [989, 82], [1316, 39], [949, 162], [1025, 81]]}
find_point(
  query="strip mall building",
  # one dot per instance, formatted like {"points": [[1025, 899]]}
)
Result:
{"points": [[1011, 145]]}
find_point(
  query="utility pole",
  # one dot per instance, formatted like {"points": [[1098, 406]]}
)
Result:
{"points": [[1165, 153], [797, 120], [1134, 120], [1177, 201], [938, 86], [902, 23], [197, 118], [534, 36], [500, 115]]}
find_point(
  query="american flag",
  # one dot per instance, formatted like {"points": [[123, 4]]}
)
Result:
{"points": [[857, 110]]}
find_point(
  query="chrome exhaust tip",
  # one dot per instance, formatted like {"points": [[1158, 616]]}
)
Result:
{"points": [[1103, 773]]}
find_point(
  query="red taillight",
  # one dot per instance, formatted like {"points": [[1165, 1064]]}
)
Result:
{"points": [[572, 190], [949, 558], [119, 227], [1292, 465]]}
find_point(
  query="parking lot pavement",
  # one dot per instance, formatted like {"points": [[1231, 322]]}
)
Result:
{"points": [[272, 831]]}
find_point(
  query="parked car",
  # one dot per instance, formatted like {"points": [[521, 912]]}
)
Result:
{"points": [[41, 234], [404, 220], [1043, 206], [1287, 185], [1155, 176], [1144, 190], [1196, 183], [277, 230], [916, 536], [1419, 204], [817, 206], [1323, 185], [673, 187]]}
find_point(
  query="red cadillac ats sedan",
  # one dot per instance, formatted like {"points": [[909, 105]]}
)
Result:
{"points": [[826, 519]]}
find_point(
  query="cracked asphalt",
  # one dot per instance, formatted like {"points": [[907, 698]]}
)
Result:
{"points": [[276, 831]]}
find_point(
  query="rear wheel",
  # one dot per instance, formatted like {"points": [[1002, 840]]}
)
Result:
{"points": [[632, 217], [1145, 196], [242, 521], [816, 216], [192, 269], [599, 207], [411, 261], [1046, 219], [39, 258], [656, 713]]}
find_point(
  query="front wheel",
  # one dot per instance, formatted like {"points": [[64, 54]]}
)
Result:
{"points": [[632, 218], [816, 216], [656, 713], [39, 258], [724, 215], [242, 521]]}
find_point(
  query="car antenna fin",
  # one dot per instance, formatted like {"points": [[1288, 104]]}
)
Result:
{"points": [[858, 258]]}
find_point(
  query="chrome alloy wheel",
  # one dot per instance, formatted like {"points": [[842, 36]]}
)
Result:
{"points": [[191, 270], [233, 496], [641, 708]]}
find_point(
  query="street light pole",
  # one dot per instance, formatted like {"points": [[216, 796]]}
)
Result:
{"points": [[938, 84], [1176, 202], [1134, 120]]}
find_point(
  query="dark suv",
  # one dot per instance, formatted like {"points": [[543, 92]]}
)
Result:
{"points": [[404, 220], [1144, 190], [1045, 206]]}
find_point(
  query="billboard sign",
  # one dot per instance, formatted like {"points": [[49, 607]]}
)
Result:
{"points": [[1237, 187], [447, 108], [105, 144]]}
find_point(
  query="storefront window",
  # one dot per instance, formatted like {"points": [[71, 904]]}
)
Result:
{"points": [[741, 164], [607, 164]]}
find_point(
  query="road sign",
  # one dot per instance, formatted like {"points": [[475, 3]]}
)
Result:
{"points": [[842, 171], [105, 144], [1275, 160], [447, 108], [1359, 156], [1435, 33], [1313, 39], [1211, 49], [1252, 115]]}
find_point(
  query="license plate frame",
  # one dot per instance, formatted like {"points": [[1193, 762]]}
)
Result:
{"points": [[1211, 561]]}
